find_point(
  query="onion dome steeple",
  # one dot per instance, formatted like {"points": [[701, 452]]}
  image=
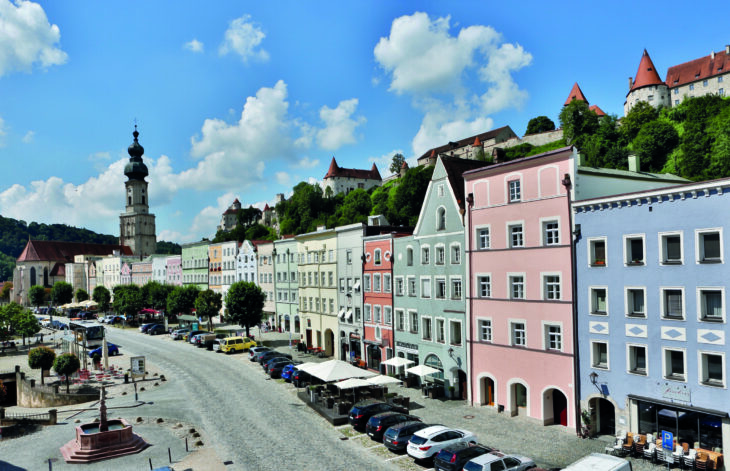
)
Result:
{"points": [[135, 169]]}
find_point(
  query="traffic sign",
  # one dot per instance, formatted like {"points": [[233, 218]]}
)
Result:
{"points": [[667, 440]]}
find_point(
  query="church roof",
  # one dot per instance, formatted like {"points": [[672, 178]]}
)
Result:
{"points": [[647, 74], [337, 171], [575, 94], [471, 140], [596, 109], [699, 69], [50, 250]]}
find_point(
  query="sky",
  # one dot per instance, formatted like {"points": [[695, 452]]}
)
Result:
{"points": [[242, 99]]}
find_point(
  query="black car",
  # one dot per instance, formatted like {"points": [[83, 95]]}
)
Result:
{"points": [[362, 411], [396, 437], [265, 356], [300, 378], [271, 360], [156, 329], [379, 423], [275, 368], [455, 457]]}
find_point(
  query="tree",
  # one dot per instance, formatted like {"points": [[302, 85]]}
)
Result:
{"points": [[102, 297], [404, 202], [66, 364], [37, 295], [208, 303], [5, 293], [41, 358], [181, 299], [578, 122], [62, 293], [540, 124], [81, 295], [396, 163], [355, 208], [25, 323], [640, 114], [248, 216], [245, 304], [127, 300], [656, 140], [154, 295]]}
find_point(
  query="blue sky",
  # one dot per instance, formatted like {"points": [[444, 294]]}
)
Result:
{"points": [[246, 99]]}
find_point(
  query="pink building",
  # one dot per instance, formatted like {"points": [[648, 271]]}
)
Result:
{"points": [[378, 299], [173, 272], [520, 314]]}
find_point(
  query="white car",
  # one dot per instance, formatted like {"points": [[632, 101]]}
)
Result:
{"points": [[179, 333], [496, 460], [426, 443]]}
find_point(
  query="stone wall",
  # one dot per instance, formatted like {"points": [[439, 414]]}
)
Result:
{"points": [[32, 395]]}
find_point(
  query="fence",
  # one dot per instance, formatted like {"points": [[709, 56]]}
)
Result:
{"points": [[43, 418]]}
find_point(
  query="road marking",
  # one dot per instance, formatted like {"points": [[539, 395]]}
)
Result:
{"points": [[375, 446], [405, 455]]}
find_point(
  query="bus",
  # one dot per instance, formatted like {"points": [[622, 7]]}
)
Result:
{"points": [[91, 331]]}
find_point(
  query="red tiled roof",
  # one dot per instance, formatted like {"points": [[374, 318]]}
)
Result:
{"points": [[647, 74], [231, 211], [266, 207], [477, 142], [337, 171], [575, 94], [597, 110], [44, 250], [485, 136], [59, 269], [698, 69]]}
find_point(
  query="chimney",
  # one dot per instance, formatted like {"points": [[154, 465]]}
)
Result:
{"points": [[634, 163], [631, 82], [712, 55], [727, 49]]}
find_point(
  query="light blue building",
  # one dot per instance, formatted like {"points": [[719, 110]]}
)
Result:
{"points": [[652, 312]]}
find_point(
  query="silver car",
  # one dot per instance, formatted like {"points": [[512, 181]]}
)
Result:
{"points": [[496, 460], [179, 333]]}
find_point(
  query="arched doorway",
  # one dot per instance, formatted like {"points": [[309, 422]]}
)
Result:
{"points": [[329, 342], [554, 407], [517, 399], [603, 415], [461, 374], [297, 326], [486, 391]]}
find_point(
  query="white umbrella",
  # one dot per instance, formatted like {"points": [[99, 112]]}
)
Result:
{"points": [[89, 303], [352, 383], [397, 361], [307, 366], [422, 370], [335, 370], [382, 380]]}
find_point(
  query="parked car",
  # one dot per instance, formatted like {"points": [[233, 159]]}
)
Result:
{"points": [[156, 329], [231, 345], [600, 462], [143, 328], [263, 357], [288, 371], [112, 350], [396, 437], [497, 460], [179, 333], [363, 410], [273, 369], [193, 334], [379, 423], [254, 351], [300, 378], [217, 345], [426, 443], [274, 359], [456, 456]]}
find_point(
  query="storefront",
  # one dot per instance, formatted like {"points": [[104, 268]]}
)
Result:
{"points": [[374, 356], [408, 351], [355, 346]]}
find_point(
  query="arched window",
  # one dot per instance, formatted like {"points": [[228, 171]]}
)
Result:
{"points": [[409, 256], [441, 219], [32, 276], [434, 362], [45, 277]]}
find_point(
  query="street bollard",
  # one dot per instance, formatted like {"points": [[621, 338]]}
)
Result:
{"points": [[169, 454], [186, 444], [150, 464]]}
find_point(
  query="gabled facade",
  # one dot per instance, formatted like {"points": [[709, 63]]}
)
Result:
{"points": [[265, 258], [194, 261], [377, 332], [215, 267], [286, 286], [159, 268], [349, 291], [229, 252]]}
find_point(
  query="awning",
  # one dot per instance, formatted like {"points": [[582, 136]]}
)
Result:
{"points": [[348, 316], [674, 405], [341, 314], [187, 317], [422, 370]]}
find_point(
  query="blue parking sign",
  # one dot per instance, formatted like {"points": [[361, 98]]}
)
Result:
{"points": [[667, 440]]}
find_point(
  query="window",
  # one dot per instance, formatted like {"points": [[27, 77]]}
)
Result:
{"points": [[551, 233], [376, 257], [440, 331], [634, 250], [342, 285], [484, 285], [456, 289], [366, 282], [376, 283], [388, 315], [517, 287], [674, 365], [636, 302], [676, 91], [514, 191], [425, 288], [332, 306], [424, 255], [349, 256], [440, 255], [704, 83], [440, 288], [598, 301], [409, 257], [413, 321], [426, 335], [455, 254], [671, 245], [441, 219], [516, 236], [412, 286], [553, 337], [709, 246], [386, 283], [483, 241], [711, 308], [552, 287], [441, 190], [367, 313], [455, 332], [357, 314], [672, 303], [599, 355], [518, 334], [399, 286], [400, 320], [637, 359], [691, 86], [721, 91], [376, 314], [712, 369], [485, 330]]}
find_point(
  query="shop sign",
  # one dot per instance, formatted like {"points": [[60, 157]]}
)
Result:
{"points": [[676, 392], [412, 346], [138, 368]]}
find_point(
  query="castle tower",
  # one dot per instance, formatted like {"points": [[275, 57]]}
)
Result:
{"points": [[647, 86], [136, 224]]}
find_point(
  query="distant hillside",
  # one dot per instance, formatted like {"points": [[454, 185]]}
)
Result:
{"points": [[14, 234]]}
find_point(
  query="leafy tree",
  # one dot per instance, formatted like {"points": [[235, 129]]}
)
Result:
{"points": [[720, 154], [578, 122], [247, 217], [41, 358], [7, 287], [540, 124], [379, 199], [62, 293], [81, 295], [245, 304], [404, 203], [396, 163], [656, 140], [66, 364], [355, 208], [181, 299], [127, 300], [25, 323], [299, 214], [259, 232], [600, 148], [102, 297], [154, 295], [208, 304], [37, 295], [640, 114], [169, 248]]}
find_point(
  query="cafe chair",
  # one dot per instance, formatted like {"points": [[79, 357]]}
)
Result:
{"points": [[650, 452], [688, 460]]}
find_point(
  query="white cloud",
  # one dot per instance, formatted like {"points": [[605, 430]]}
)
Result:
{"points": [[383, 162], [3, 132], [206, 221], [27, 38], [100, 156], [306, 162], [244, 38], [282, 178], [339, 125], [435, 131], [194, 46], [28, 138]]}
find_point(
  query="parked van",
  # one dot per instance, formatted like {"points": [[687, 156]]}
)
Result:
{"points": [[232, 344], [599, 462]]}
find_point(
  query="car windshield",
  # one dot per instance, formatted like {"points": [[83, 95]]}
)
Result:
{"points": [[470, 466], [416, 440]]}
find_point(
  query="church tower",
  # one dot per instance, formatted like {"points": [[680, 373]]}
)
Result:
{"points": [[136, 224]]}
